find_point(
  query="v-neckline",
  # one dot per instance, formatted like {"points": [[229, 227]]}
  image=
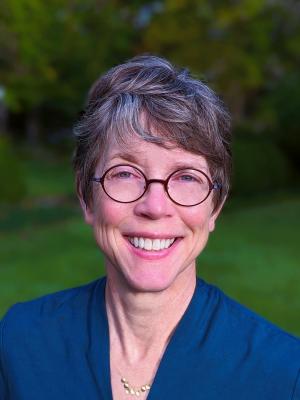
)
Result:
{"points": [[177, 344]]}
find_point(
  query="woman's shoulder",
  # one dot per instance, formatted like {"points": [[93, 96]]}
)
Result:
{"points": [[41, 335], [239, 313], [236, 351], [247, 333], [22, 316]]}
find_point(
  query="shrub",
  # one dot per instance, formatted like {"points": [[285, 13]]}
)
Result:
{"points": [[12, 183], [286, 101], [258, 166]]}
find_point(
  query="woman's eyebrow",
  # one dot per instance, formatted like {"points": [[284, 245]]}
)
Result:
{"points": [[188, 165], [126, 156]]}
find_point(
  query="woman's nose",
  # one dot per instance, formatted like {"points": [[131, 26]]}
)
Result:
{"points": [[155, 203]]}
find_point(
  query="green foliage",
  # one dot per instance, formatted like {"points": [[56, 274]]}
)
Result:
{"points": [[51, 51], [241, 46], [48, 178], [12, 187], [54, 50], [258, 166]]}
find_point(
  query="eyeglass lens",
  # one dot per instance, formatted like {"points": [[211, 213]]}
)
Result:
{"points": [[125, 183]]}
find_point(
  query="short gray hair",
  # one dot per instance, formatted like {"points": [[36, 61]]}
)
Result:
{"points": [[178, 110]]}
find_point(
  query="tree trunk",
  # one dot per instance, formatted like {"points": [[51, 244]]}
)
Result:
{"points": [[32, 128], [3, 119]]}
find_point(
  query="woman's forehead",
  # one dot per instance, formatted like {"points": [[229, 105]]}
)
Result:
{"points": [[139, 151]]}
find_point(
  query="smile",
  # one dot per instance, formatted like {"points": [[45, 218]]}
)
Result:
{"points": [[151, 244]]}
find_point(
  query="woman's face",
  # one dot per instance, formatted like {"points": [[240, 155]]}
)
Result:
{"points": [[154, 216]]}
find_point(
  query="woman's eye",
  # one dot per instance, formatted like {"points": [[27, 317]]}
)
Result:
{"points": [[123, 175], [187, 178]]}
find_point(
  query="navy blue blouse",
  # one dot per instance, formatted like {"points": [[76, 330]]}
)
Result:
{"points": [[57, 347]]}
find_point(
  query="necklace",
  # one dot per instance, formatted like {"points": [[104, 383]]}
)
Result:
{"points": [[129, 389]]}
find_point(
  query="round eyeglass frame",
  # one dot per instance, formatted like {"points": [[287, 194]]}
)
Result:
{"points": [[164, 182]]}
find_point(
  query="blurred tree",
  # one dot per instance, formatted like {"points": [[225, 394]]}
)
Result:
{"points": [[249, 50], [52, 50], [243, 46]]}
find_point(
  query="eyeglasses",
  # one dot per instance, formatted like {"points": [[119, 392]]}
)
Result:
{"points": [[186, 187]]}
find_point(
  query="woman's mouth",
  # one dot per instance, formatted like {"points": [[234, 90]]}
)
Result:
{"points": [[151, 244]]}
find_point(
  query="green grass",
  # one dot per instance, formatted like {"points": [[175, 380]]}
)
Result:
{"points": [[253, 255], [42, 258]]}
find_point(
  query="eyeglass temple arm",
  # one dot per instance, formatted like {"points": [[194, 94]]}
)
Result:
{"points": [[98, 180], [216, 185]]}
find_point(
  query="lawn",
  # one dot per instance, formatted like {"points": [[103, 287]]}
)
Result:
{"points": [[253, 255]]}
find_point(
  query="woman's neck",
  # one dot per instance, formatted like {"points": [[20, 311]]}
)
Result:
{"points": [[141, 323]]}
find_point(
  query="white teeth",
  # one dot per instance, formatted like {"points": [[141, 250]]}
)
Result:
{"points": [[156, 244], [151, 244], [148, 244]]}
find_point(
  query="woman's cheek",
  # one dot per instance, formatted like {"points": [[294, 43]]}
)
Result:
{"points": [[106, 227]]}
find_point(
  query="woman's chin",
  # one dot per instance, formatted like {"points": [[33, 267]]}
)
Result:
{"points": [[147, 271], [151, 278], [148, 284]]}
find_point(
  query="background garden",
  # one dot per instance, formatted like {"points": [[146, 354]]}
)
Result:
{"points": [[248, 50]]}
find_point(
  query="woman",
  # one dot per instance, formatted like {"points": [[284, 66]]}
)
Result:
{"points": [[152, 166]]}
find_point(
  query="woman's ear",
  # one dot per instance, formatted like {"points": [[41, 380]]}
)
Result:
{"points": [[87, 210]]}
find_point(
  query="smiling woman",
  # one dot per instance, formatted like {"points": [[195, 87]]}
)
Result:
{"points": [[152, 165], [149, 214]]}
